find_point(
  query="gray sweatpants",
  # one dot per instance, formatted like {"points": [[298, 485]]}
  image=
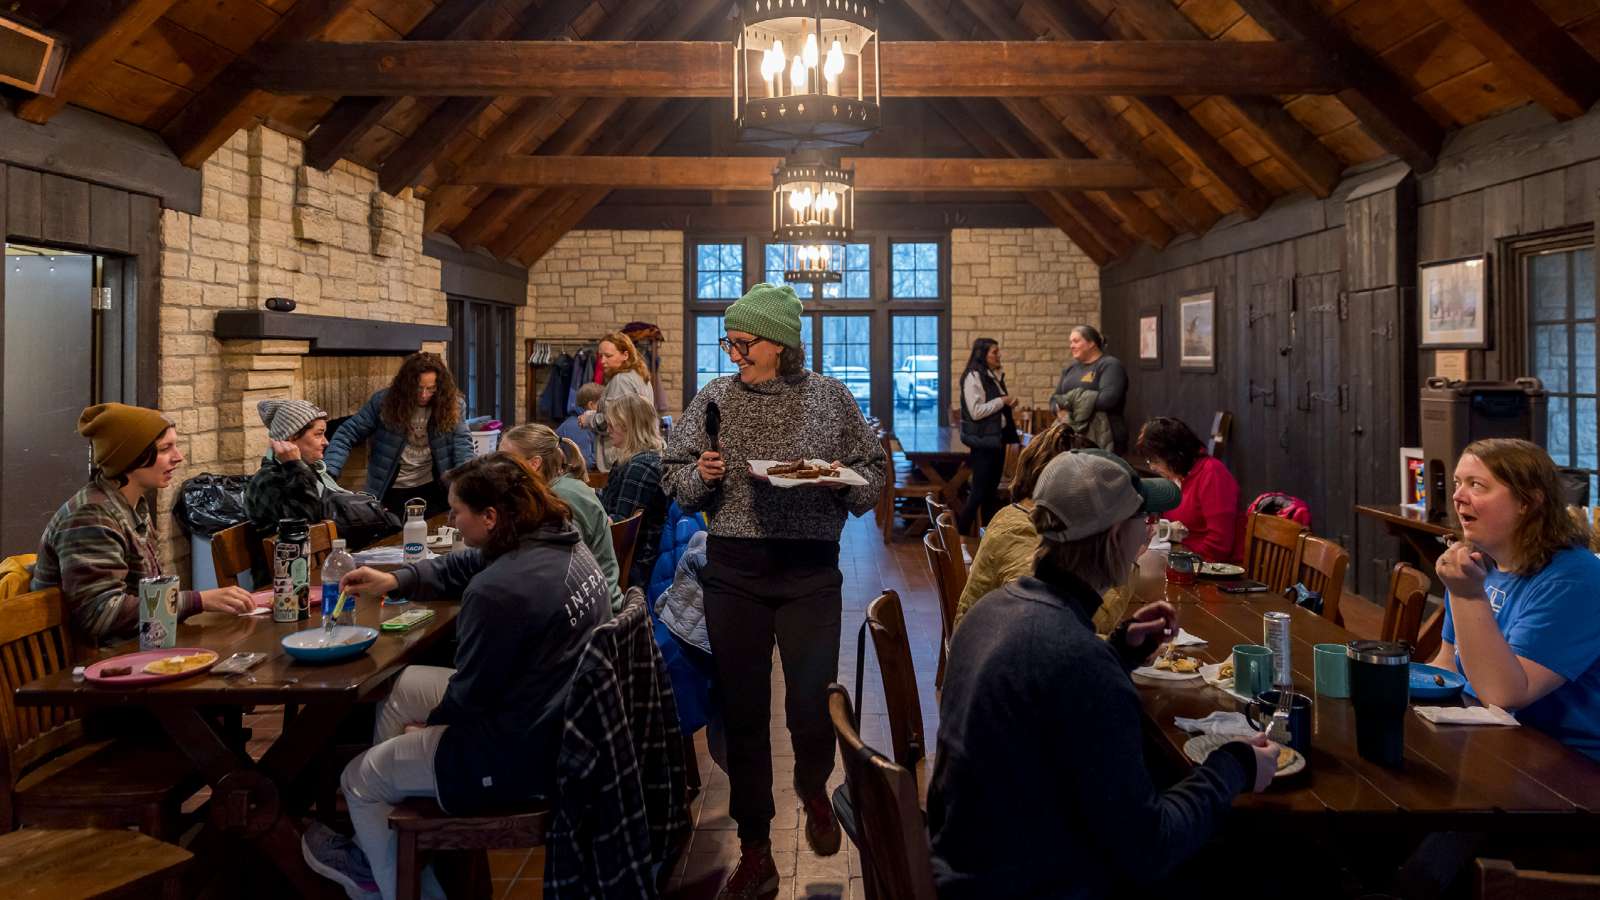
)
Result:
{"points": [[399, 765]]}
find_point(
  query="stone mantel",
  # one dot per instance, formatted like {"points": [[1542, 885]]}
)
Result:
{"points": [[327, 335]]}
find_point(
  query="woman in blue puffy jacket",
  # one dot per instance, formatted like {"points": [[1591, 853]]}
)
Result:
{"points": [[417, 431]]}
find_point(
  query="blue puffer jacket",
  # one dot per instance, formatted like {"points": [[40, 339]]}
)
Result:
{"points": [[689, 667], [383, 460]]}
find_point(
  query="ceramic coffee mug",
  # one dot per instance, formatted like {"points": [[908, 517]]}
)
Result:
{"points": [[1333, 670], [1252, 669]]}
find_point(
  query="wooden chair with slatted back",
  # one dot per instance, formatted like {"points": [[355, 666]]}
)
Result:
{"points": [[1407, 601], [896, 487], [1008, 475], [323, 534], [1221, 425], [1321, 569], [54, 778], [1429, 637], [624, 541], [886, 623], [1502, 880], [893, 837], [233, 550], [955, 561], [1272, 550], [934, 550]]}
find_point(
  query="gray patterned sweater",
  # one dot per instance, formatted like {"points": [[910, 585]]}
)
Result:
{"points": [[808, 415]]}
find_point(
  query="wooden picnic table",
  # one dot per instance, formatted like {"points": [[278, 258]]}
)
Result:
{"points": [[941, 458], [249, 798], [1455, 778]]}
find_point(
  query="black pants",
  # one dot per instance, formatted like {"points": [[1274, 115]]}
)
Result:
{"points": [[432, 491], [758, 591], [987, 467]]}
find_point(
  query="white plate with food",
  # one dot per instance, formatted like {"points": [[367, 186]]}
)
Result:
{"points": [[1170, 667], [1220, 676], [1221, 570], [790, 473], [1198, 748]]}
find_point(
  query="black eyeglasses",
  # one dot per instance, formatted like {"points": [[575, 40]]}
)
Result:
{"points": [[729, 345]]}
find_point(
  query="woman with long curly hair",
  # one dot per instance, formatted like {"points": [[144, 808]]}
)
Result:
{"points": [[484, 733], [625, 374], [417, 431]]}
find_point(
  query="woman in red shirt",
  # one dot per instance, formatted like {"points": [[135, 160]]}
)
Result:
{"points": [[1210, 507]]}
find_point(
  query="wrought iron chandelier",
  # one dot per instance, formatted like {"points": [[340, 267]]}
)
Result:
{"points": [[805, 73]]}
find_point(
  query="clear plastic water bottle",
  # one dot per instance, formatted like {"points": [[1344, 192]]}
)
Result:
{"points": [[415, 533], [339, 564]]}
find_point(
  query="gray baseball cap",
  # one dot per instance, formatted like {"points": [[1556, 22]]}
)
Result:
{"points": [[1094, 490]]}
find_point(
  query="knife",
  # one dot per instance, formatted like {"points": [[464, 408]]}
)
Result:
{"points": [[714, 426]]}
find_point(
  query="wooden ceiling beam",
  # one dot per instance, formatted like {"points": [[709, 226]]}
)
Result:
{"points": [[664, 68], [1186, 135], [231, 102], [584, 127], [92, 52], [352, 117], [1288, 142], [754, 173], [1378, 98], [985, 128], [1533, 51], [401, 167], [640, 141]]}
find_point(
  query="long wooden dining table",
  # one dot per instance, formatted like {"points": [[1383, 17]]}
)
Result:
{"points": [[1454, 778], [251, 800]]}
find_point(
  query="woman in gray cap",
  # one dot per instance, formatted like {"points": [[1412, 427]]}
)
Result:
{"points": [[292, 478], [1039, 785], [772, 560]]}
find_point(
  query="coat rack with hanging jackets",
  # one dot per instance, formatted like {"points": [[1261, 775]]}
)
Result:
{"points": [[556, 368]]}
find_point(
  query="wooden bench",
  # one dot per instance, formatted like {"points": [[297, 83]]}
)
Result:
{"points": [[39, 863]]}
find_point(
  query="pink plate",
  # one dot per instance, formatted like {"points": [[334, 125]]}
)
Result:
{"points": [[139, 677]]}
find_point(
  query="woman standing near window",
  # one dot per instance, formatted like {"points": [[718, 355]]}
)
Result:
{"points": [[987, 426], [626, 375], [417, 431]]}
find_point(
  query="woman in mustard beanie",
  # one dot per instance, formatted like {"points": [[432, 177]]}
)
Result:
{"points": [[772, 560], [100, 543]]}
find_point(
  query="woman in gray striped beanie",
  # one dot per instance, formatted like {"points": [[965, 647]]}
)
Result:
{"points": [[292, 477]]}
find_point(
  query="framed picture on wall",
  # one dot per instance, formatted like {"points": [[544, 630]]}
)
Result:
{"points": [[1197, 331], [1453, 303], [1150, 338]]}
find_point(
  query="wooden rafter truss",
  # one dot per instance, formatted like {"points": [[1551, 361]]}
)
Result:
{"points": [[1121, 121]]}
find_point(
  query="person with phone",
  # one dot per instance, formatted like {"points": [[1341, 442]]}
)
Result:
{"points": [[1040, 787]]}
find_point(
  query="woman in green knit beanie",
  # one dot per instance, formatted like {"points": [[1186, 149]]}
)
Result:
{"points": [[772, 560]]}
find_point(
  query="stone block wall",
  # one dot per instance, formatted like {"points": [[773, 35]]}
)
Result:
{"points": [[592, 282], [1026, 288], [270, 226]]}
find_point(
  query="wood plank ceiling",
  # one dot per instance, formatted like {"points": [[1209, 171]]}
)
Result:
{"points": [[1408, 72]]}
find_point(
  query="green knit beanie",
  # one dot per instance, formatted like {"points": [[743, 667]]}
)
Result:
{"points": [[771, 311]]}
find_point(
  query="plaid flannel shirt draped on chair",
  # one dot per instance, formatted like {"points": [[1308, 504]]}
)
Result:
{"points": [[620, 811]]}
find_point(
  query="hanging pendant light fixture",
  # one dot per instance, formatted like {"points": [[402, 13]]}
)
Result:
{"points": [[805, 73], [813, 263], [813, 213]]}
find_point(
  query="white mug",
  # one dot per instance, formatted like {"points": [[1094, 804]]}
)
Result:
{"points": [[1171, 532]]}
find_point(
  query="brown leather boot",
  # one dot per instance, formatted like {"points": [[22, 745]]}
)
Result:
{"points": [[756, 876], [822, 829]]}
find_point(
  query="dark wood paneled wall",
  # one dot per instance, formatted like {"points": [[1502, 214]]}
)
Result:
{"points": [[1307, 358], [60, 211], [1524, 176], [1318, 358]]}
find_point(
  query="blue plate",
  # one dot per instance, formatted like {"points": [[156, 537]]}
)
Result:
{"points": [[347, 641], [1424, 687]]}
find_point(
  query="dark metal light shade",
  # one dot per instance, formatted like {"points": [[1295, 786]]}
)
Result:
{"points": [[805, 73], [812, 202]]}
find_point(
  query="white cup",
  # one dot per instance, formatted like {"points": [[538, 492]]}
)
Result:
{"points": [[1170, 532]]}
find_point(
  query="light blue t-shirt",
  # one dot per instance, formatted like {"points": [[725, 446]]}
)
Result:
{"points": [[1552, 617], [583, 437]]}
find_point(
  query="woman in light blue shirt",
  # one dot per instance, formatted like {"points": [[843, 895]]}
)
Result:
{"points": [[1522, 616]]}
